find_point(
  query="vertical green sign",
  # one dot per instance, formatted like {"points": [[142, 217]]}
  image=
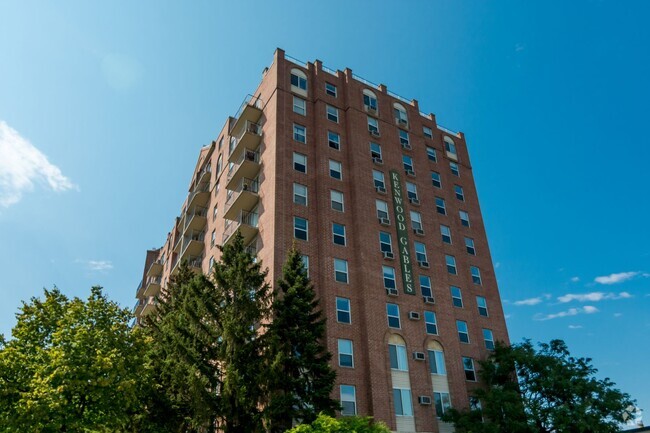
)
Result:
{"points": [[402, 233]]}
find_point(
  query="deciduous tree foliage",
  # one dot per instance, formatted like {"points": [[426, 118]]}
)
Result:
{"points": [[326, 424], [542, 391], [299, 377], [72, 366]]}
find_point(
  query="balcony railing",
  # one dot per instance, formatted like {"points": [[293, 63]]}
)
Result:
{"points": [[246, 222], [152, 286], [247, 165], [199, 196], [248, 136], [149, 305], [249, 111], [155, 268], [195, 218], [243, 197]]}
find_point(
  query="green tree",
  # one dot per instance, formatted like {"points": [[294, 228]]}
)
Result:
{"points": [[72, 366], [299, 377], [327, 424], [543, 391]]}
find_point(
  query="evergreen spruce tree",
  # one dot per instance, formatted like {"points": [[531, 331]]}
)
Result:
{"points": [[299, 379]]}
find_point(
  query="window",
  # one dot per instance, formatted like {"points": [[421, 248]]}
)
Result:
{"points": [[440, 206], [334, 140], [213, 238], [211, 263], [382, 209], [305, 264], [416, 220], [407, 162], [469, 246], [456, 297], [220, 145], [231, 146], [300, 194], [336, 198], [341, 270], [404, 139], [332, 113], [215, 211], [330, 89], [217, 186], [220, 163], [488, 338], [346, 356], [451, 264], [468, 366], [400, 114], [348, 400], [450, 147], [476, 275], [378, 179], [385, 242], [464, 218], [300, 228], [335, 170], [475, 403], [454, 169], [445, 233], [398, 358], [431, 154], [427, 132], [402, 402], [420, 253], [481, 302], [298, 80], [459, 192], [435, 179], [299, 106], [463, 334], [343, 314], [442, 402], [299, 133], [412, 192], [373, 126], [437, 361], [338, 234], [389, 277], [425, 286], [375, 150], [300, 162], [430, 324], [369, 100], [392, 311]]}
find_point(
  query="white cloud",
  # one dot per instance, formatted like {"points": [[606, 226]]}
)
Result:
{"points": [[21, 165], [575, 326], [575, 279], [587, 309], [497, 265], [593, 296], [618, 314], [533, 301], [616, 278], [97, 265], [520, 47]]}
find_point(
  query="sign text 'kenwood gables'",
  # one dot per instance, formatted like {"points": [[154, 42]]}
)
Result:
{"points": [[402, 233]]}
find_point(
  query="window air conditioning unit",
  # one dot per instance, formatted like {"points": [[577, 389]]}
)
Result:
{"points": [[424, 265], [429, 300], [424, 399], [410, 173], [406, 146], [384, 221], [371, 110], [374, 133], [414, 315], [414, 201], [388, 255], [377, 160], [418, 356], [402, 121], [391, 292], [380, 189], [418, 232]]}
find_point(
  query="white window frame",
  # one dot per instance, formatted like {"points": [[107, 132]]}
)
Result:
{"points": [[481, 302], [469, 368], [458, 191], [443, 400], [336, 167], [427, 132], [436, 180], [296, 220], [441, 206], [464, 218], [336, 200], [298, 196], [461, 327], [343, 352], [403, 406], [416, 220], [407, 163], [339, 235], [401, 357], [412, 191], [450, 261], [388, 275], [300, 133], [475, 272], [454, 168], [345, 392], [438, 359], [301, 80], [389, 316], [385, 244], [382, 209], [426, 286], [379, 179], [430, 321], [373, 124], [299, 106], [300, 160], [375, 153], [469, 246], [334, 140], [420, 251], [341, 269], [488, 339], [456, 296], [331, 90], [342, 311], [332, 113], [445, 234]]}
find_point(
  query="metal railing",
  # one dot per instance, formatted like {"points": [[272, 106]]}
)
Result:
{"points": [[245, 184], [364, 81], [154, 280], [249, 101], [448, 131], [196, 211], [244, 217], [401, 98]]}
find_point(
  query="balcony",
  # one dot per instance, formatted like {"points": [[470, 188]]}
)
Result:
{"points": [[152, 287], [249, 137], [246, 165], [202, 178], [149, 305], [246, 223], [199, 196], [195, 263], [139, 305], [249, 111], [243, 197], [140, 291], [155, 268], [192, 244], [195, 219]]}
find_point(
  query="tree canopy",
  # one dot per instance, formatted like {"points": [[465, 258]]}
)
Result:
{"points": [[542, 391], [327, 424]]}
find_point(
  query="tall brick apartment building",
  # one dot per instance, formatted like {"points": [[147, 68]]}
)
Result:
{"points": [[381, 201]]}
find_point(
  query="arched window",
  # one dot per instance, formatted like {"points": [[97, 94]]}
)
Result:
{"points": [[450, 147], [219, 164], [298, 81], [436, 358], [401, 118], [397, 353], [369, 101]]}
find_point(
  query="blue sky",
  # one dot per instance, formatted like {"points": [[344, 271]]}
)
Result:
{"points": [[103, 108]]}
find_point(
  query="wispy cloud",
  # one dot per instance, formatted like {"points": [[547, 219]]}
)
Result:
{"points": [[618, 314], [532, 301], [575, 326], [21, 165], [587, 309], [575, 279], [593, 297], [96, 265], [616, 278]]}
